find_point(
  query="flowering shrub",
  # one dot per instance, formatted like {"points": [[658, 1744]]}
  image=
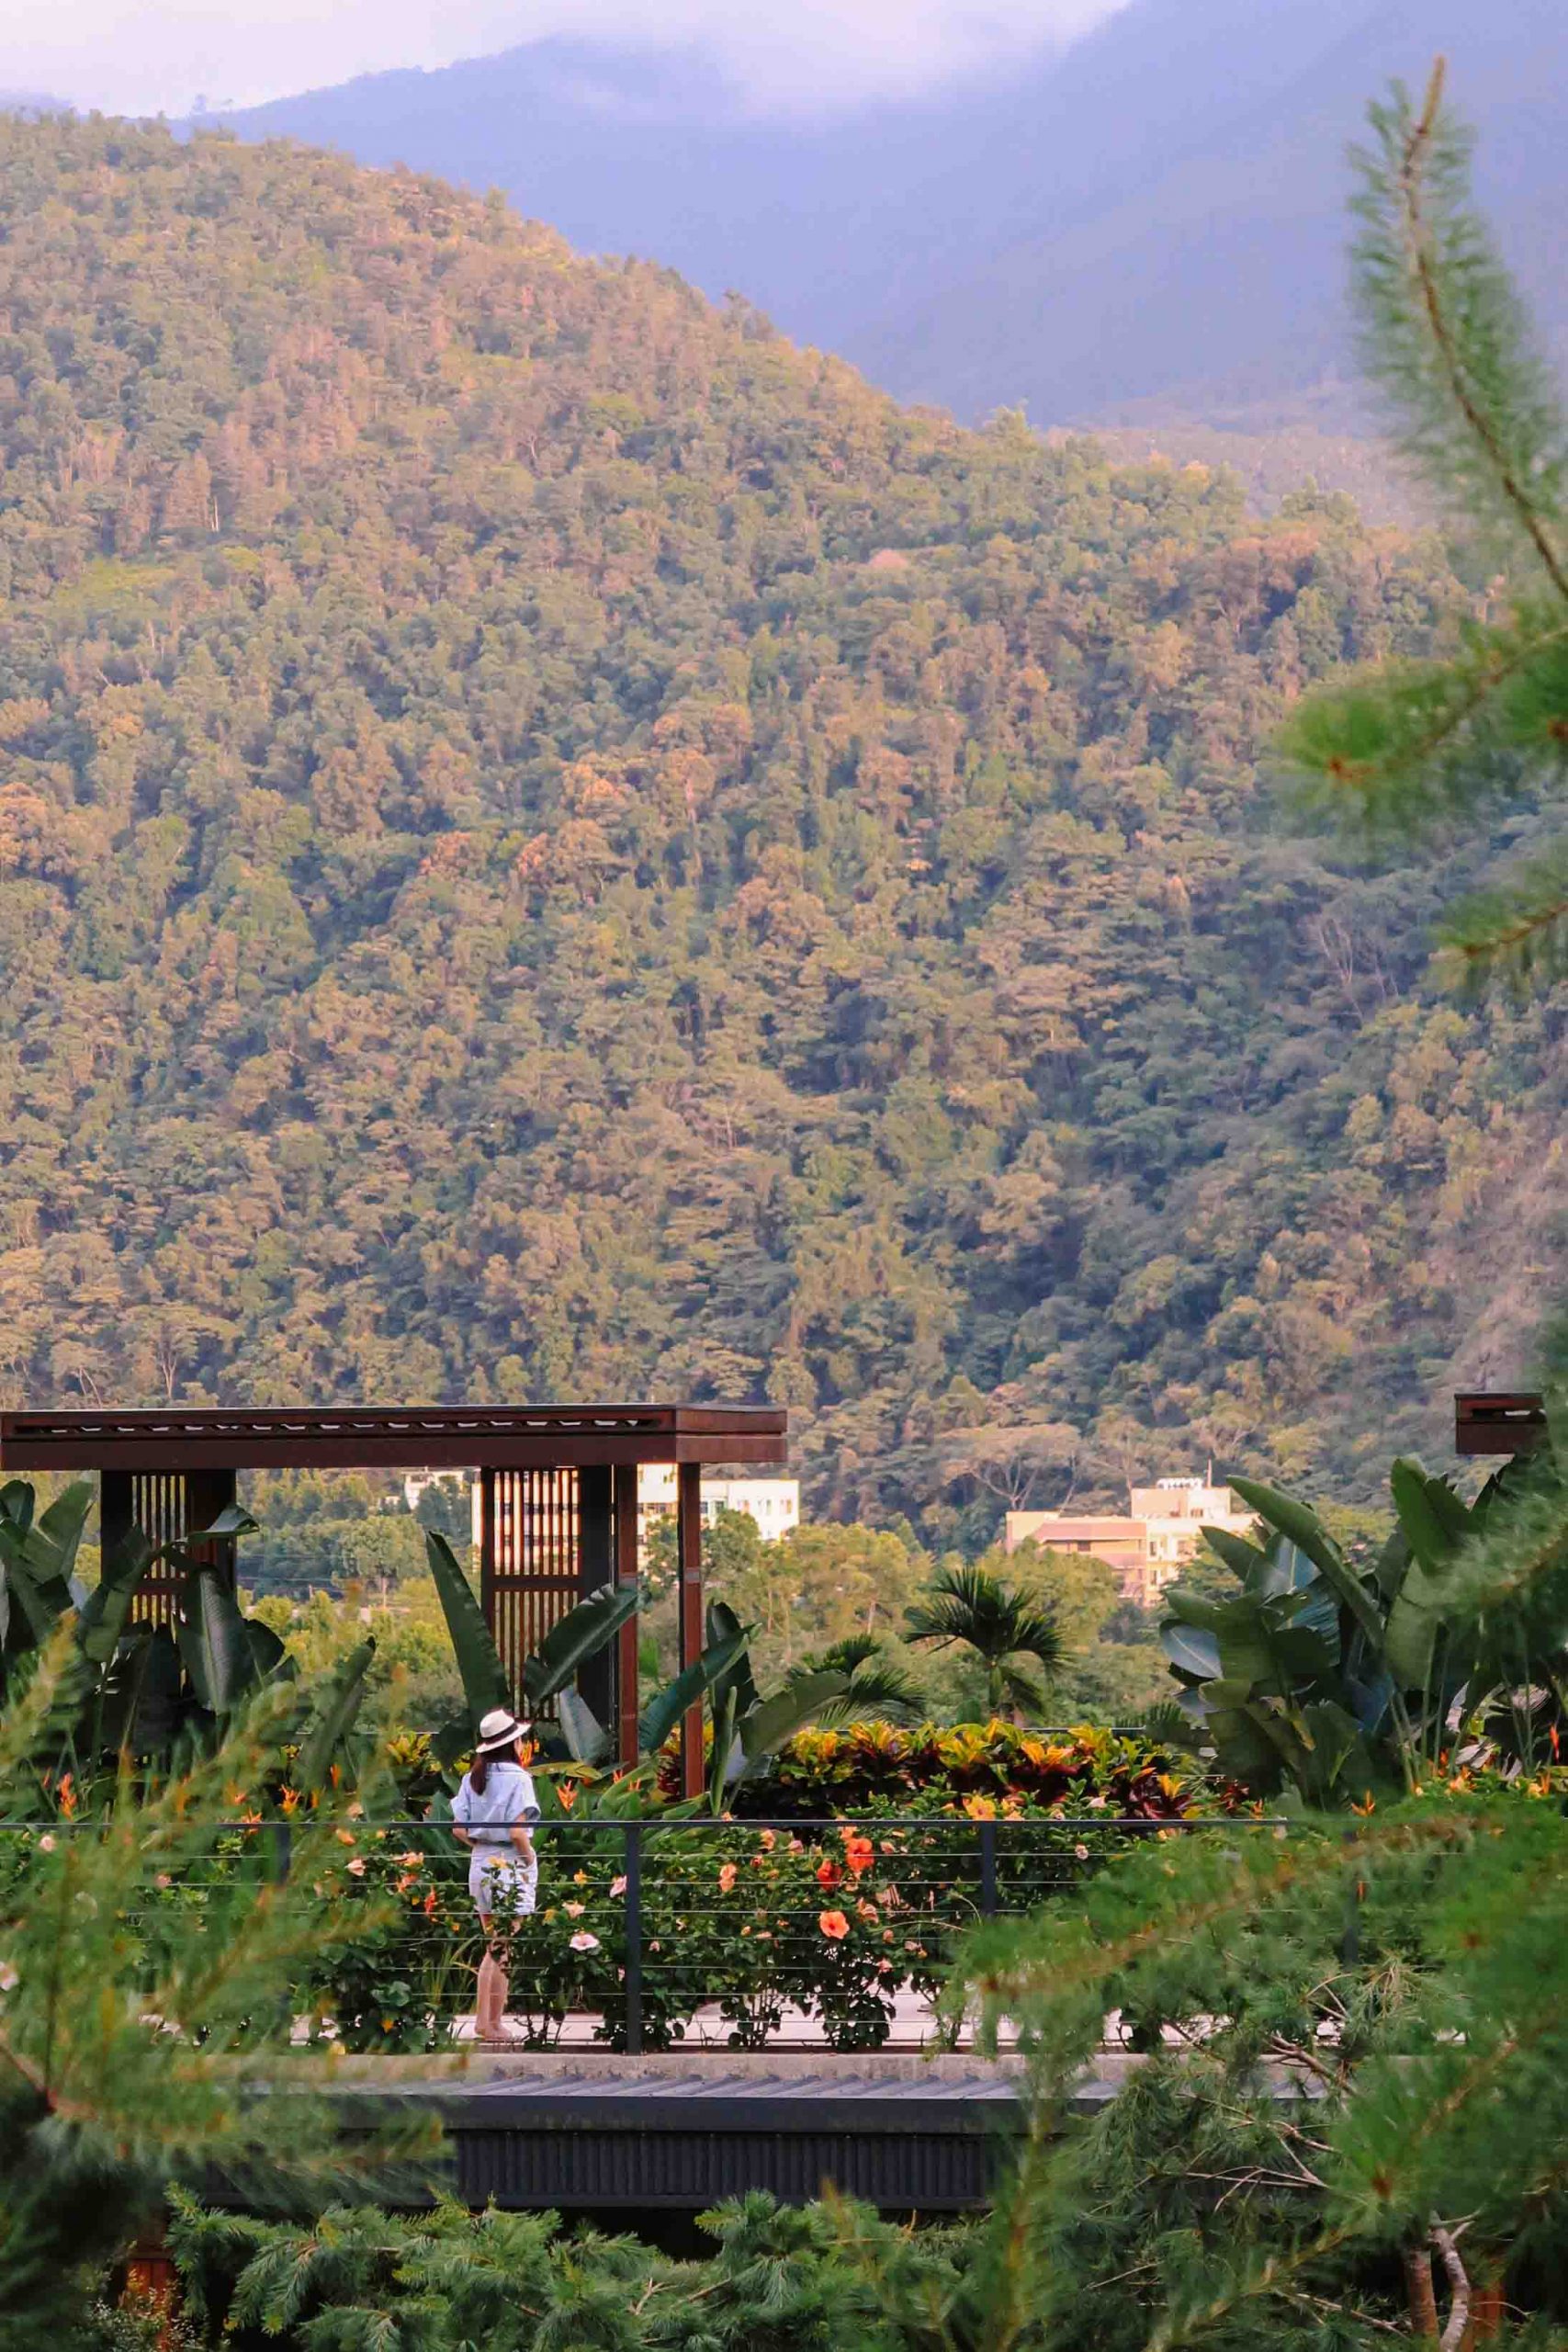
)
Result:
{"points": [[872, 1767]]}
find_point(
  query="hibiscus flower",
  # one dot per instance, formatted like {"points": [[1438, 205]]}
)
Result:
{"points": [[833, 1925]]}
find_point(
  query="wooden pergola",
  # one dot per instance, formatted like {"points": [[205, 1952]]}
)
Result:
{"points": [[557, 1499]]}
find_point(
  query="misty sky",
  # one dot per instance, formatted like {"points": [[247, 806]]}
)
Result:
{"points": [[146, 56]]}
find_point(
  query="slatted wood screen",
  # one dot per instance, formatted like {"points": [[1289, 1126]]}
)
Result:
{"points": [[160, 1507], [528, 1559], [167, 1505]]}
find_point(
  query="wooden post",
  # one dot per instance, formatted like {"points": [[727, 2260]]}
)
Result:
{"points": [[207, 1494], [688, 1555], [626, 1693], [595, 1566], [487, 1547]]}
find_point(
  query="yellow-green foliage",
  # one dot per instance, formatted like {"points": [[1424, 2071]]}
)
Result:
{"points": [[553, 842]]}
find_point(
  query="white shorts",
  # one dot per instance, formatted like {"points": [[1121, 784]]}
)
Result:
{"points": [[503, 1885]]}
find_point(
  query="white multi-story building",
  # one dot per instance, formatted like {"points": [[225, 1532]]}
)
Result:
{"points": [[1162, 1530], [772, 1503]]}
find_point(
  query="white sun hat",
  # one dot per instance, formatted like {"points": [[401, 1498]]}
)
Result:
{"points": [[499, 1730]]}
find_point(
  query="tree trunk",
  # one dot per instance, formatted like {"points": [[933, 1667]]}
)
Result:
{"points": [[1420, 2294]]}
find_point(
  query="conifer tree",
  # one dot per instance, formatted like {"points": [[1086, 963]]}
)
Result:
{"points": [[1446, 342], [147, 1946]]}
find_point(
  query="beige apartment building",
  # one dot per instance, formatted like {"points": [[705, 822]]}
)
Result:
{"points": [[1162, 1529]]}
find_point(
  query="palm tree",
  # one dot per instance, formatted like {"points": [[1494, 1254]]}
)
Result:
{"points": [[877, 1684], [990, 1617]]}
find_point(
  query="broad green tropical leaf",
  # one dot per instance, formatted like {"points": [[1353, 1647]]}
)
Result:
{"points": [[723, 1625], [149, 1695], [16, 1507], [231, 1521], [1244, 1559], [666, 1707], [479, 1662], [1433, 1520], [576, 1637], [108, 1606], [728, 1757], [766, 1727], [334, 1718], [1302, 1527], [587, 1740], [213, 1640], [1192, 1650], [50, 1545]]}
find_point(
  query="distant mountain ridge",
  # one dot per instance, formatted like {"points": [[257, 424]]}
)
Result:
{"points": [[1150, 227], [552, 844]]}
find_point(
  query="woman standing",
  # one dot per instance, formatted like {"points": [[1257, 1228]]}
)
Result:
{"points": [[490, 1815]]}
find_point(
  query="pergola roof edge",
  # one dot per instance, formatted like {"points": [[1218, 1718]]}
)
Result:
{"points": [[402, 1437]]}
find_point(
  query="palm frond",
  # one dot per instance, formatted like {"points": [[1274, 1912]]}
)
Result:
{"points": [[987, 1615]]}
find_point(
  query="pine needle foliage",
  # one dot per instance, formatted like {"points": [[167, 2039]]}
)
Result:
{"points": [[141, 2039], [816, 2279], [1351, 2102], [1474, 406]]}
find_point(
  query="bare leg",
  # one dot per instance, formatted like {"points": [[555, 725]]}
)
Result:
{"points": [[492, 1999]]}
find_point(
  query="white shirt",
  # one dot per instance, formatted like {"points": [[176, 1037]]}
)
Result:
{"points": [[508, 1797]]}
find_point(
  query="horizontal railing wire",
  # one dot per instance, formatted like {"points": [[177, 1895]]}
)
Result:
{"points": [[647, 1932]]}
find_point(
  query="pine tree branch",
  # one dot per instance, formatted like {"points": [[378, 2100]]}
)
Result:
{"points": [[1459, 2286], [1421, 255]]}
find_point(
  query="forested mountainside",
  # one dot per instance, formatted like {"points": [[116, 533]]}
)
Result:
{"points": [[1148, 229], [553, 844]]}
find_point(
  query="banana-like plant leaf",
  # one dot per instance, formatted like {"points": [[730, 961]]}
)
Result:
{"points": [[1286, 1569], [767, 1727], [16, 1505], [723, 1625], [666, 1707], [727, 1754], [334, 1719], [213, 1641], [151, 1703], [50, 1545], [1414, 1623], [480, 1667], [576, 1637], [231, 1521], [587, 1740], [1303, 1528], [1244, 1559], [1304, 1653], [1389, 1567], [1434, 1521], [1340, 1764], [108, 1606], [1192, 1650], [42, 1602], [4, 1603], [268, 1655]]}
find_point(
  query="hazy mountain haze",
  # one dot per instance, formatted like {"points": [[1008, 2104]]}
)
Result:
{"points": [[805, 55], [1149, 226]]}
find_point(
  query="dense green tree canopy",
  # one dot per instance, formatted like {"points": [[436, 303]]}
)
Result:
{"points": [[552, 842]]}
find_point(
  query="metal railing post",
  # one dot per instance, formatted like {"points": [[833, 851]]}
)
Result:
{"points": [[634, 1939], [987, 1870]]}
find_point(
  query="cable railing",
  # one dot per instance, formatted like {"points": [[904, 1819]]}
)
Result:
{"points": [[836, 1934]]}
